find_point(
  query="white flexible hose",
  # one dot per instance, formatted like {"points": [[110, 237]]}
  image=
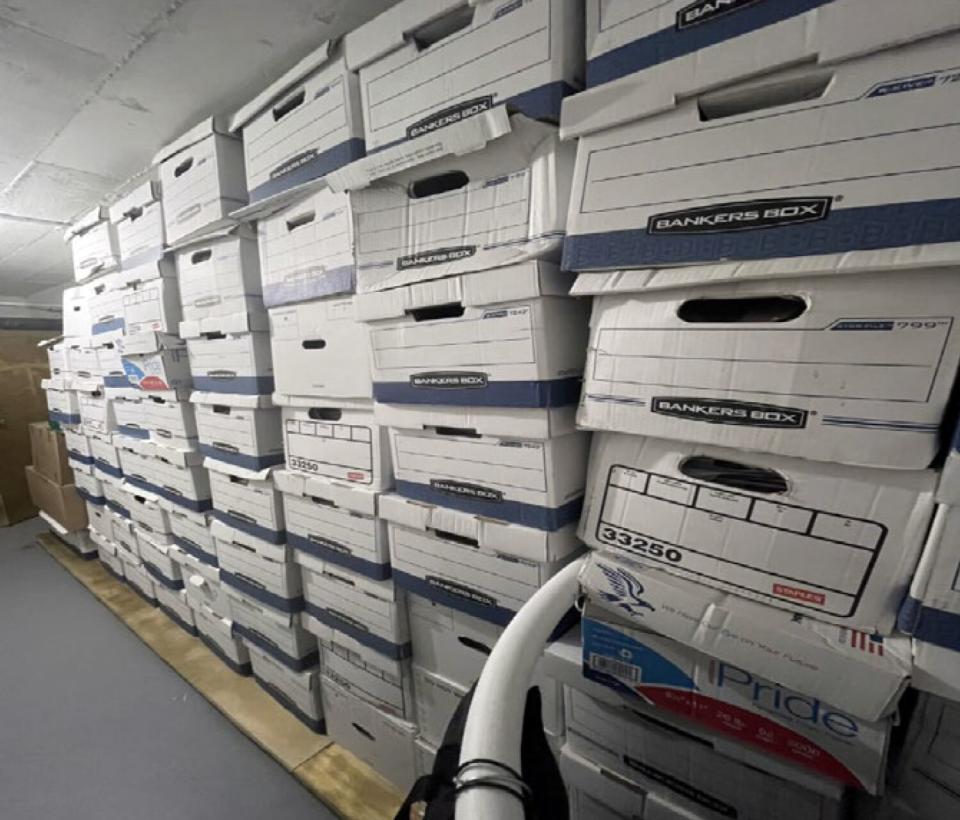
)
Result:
{"points": [[495, 722]]}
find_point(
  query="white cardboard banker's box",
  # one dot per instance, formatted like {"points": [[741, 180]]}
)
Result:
{"points": [[427, 65], [490, 208], [230, 354], [202, 177], [138, 218], [476, 460], [320, 349], [507, 337], [854, 369], [247, 500], [815, 169], [302, 126], [306, 249], [645, 55], [334, 522], [243, 431], [219, 275], [833, 542], [478, 566], [860, 673]]}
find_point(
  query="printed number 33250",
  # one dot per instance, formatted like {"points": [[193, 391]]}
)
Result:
{"points": [[638, 543]]}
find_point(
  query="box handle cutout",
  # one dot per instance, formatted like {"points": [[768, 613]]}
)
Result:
{"points": [[364, 732], [314, 344], [731, 103], [326, 502], [280, 111], [200, 256], [183, 167], [229, 448], [462, 432], [235, 479], [749, 309], [300, 221], [134, 213], [340, 579], [438, 184], [242, 516], [214, 335], [451, 310], [325, 413], [445, 535], [442, 27], [733, 474], [470, 643], [222, 409]]}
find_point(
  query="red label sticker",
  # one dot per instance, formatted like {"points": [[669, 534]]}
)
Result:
{"points": [[798, 594], [153, 383]]}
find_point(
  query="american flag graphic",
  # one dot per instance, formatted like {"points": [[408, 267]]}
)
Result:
{"points": [[871, 644]]}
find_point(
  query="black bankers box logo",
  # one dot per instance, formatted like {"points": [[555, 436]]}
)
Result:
{"points": [[449, 381], [706, 10], [722, 411], [741, 216], [449, 116], [440, 256], [464, 490]]}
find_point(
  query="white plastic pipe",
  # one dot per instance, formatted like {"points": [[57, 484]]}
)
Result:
{"points": [[495, 722]]}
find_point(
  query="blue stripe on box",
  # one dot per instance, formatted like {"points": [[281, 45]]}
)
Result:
{"points": [[116, 381], [369, 569], [170, 583], [548, 519], [271, 599], [319, 285], [389, 649], [929, 625], [118, 509], [264, 533], [106, 327], [550, 393], [237, 385], [109, 469], [188, 628], [492, 613], [319, 166], [874, 227], [192, 549], [317, 725], [86, 495], [296, 664], [243, 669], [79, 458], [63, 418], [673, 42], [541, 103], [193, 504], [248, 462], [133, 432]]}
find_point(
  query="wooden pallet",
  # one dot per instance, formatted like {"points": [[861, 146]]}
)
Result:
{"points": [[345, 784]]}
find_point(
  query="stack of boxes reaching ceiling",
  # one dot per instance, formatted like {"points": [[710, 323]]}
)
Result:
{"points": [[329, 415]]}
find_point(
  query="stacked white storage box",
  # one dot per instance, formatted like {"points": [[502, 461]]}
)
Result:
{"points": [[768, 289], [476, 350]]}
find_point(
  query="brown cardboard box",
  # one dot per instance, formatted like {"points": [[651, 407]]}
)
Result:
{"points": [[60, 502], [22, 366], [49, 453]]}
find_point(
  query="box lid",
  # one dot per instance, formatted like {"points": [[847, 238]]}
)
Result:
{"points": [[202, 130], [223, 467], [145, 268], [313, 61], [139, 344], [133, 203], [462, 138], [505, 539], [86, 222], [234, 323], [258, 402], [527, 280], [354, 499], [393, 28]]}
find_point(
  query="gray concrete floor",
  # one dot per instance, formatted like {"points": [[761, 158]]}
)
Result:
{"points": [[94, 726]]}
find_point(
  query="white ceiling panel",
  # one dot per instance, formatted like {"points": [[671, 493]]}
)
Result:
{"points": [[90, 89], [107, 27]]}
